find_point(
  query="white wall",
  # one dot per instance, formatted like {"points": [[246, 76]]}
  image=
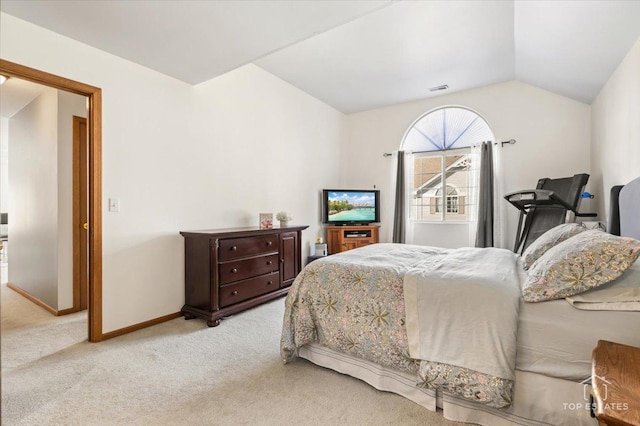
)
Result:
{"points": [[69, 104], [180, 158], [33, 201], [283, 144], [615, 130], [552, 133]]}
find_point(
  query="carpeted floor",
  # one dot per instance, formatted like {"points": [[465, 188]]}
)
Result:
{"points": [[178, 372]]}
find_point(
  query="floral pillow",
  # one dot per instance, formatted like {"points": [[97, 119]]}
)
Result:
{"points": [[586, 260], [547, 240]]}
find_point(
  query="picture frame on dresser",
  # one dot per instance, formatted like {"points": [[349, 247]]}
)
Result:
{"points": [[230, 270], [265, 220]]}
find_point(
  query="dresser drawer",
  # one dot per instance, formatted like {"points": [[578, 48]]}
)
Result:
{"points": [[246, 289], [246, 268], [249, 246]]}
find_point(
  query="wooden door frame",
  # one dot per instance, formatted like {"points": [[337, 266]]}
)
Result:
{"points": [[94, 122]]}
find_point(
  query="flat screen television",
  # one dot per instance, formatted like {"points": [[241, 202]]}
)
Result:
{"points": [[350, 206]]}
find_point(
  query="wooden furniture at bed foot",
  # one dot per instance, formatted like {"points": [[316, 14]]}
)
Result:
{"points": [[615, 382], [230, 270], [343, 238]]}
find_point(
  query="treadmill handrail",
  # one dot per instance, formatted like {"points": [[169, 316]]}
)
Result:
{"points": [[587, 214], [536, 197]]}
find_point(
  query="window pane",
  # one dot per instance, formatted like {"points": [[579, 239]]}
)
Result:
{"points": [[441, 190], [457, 179], [427, 181], [447, 128]]}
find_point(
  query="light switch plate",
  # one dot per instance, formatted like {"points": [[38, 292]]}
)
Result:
{"points": [[114, 204]]}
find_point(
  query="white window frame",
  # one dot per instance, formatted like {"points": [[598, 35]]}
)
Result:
{"points": [[444, 197]]}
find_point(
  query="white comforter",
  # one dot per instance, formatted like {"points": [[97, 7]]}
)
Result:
{"points": [[464, 312]]}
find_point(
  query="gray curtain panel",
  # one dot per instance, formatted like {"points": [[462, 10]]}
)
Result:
{"points": [[484, 234], [399, 219]]}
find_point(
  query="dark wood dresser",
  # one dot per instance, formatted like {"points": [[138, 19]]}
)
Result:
{"points": [[230, 270]]}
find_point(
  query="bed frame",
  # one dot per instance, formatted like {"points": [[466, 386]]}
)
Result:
{"points": [[537, 399]]}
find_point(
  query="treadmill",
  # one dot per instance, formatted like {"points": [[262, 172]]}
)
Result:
{"points": [[552, 203]]}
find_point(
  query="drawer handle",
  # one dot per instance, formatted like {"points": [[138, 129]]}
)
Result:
{"points": [[234, 293], [269, 262], [234, 248], [269, 243], [234, 270], [269, 282]]}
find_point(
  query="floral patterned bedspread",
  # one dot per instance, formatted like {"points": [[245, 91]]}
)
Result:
{"points": [[353, 303]]}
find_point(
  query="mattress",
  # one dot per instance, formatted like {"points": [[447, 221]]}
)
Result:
{"points": [[556, 339]]}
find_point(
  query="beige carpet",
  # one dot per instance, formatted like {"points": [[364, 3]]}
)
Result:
{"points": [[179, 372]]}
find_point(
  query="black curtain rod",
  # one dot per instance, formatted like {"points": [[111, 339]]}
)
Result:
{"points": [[509, 142]]}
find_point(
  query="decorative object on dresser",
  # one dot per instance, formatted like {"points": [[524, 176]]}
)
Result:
{"points": [[343, 238], [284, 219], [266, 220], [230, 270]]}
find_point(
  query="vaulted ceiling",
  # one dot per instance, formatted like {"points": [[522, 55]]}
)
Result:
{"points": [[359, 55]]}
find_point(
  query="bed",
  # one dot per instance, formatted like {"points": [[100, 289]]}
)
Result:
{"points": [[467, 342]]}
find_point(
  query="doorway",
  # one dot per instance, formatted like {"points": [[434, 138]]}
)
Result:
{"points": [[94, 182], [80, 214]]}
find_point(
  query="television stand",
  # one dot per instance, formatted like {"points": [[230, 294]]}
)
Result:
{"points": [[347, 237]]}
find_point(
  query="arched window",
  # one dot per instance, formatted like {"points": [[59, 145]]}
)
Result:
{"points": [[441, 142]]}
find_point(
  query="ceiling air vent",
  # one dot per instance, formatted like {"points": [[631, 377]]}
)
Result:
{"points": [[438, 88]]}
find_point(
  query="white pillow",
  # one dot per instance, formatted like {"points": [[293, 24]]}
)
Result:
{"points": [[549, 239], [584, 261]]}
